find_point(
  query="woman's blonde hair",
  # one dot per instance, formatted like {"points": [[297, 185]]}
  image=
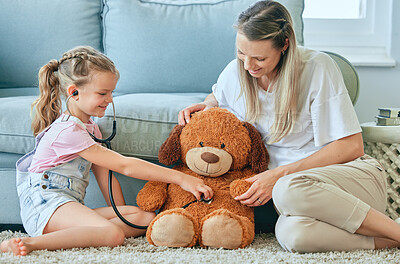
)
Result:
{"points": [[269, 20], [76, 67]]}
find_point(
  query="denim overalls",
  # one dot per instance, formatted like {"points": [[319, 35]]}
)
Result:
{"points": [[40, 194]]}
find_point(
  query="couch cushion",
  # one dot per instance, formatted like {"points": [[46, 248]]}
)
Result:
{"points": [[35, 31], [19, 91], [175, 45], [16, 135], [144, 121]]}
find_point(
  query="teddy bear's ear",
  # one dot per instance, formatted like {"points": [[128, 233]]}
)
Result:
{"points": [[259, 157], [170, 150]]}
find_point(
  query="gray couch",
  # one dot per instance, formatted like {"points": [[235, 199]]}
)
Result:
{"points": [[169, 54]]}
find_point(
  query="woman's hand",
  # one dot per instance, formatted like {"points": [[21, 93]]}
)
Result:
{"points": [[184, 115], [196, 186], [339, 151], [261, 189]]}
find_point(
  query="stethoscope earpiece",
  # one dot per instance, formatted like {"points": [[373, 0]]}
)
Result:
{"points": [[74, 93]]}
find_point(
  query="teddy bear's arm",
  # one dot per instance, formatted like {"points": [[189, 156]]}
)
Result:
{"points": [[152, 196], [240, 186]]}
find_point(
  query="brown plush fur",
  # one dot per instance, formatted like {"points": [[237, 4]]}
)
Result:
{"points": [[219, 131]]}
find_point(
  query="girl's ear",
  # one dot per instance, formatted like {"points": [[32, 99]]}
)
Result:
{"points": [[258, 157], [170, 150], [71, 89]]}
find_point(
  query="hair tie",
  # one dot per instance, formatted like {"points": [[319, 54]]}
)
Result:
{"points": [[53, 65], [57, 65]]}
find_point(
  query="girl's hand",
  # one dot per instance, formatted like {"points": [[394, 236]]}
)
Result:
{"points": [[184, 115], [196, 186], [261, 189]]}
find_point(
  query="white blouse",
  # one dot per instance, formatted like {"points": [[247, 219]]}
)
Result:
{"points": [[325, 109]]}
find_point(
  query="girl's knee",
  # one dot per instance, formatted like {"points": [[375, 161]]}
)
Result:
{"points": [[113, 235], [148, 217], [143, 217]]}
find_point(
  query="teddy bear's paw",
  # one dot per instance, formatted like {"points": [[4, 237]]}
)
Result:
{"points": [[173, 228], [239, 187], [225, 229]]}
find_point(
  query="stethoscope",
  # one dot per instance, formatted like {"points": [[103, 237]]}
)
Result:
{"points": [[107, 142]]}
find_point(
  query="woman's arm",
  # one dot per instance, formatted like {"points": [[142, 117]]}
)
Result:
{"points": [[101, 175], [340, 151], [184, 115], [140, 169]]}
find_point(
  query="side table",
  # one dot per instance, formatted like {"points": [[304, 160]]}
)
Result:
{"points": [[383, 143]]}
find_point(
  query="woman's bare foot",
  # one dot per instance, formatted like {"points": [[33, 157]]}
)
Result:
{"points": [[14, 245]]}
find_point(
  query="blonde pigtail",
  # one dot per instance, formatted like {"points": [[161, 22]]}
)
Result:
{"points": [[47, 107]]}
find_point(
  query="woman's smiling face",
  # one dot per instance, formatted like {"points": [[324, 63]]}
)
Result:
{"points": [[259, 56]]}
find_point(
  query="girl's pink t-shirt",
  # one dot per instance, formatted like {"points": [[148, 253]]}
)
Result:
{"points": [[62, 142]]}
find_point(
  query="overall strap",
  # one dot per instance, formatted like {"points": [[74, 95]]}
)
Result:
{"points": [[66, 118]]}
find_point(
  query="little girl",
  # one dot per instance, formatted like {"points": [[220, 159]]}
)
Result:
{"points": [[52, 179]]}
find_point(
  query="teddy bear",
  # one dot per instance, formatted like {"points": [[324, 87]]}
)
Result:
{"points": [[223, 151]]}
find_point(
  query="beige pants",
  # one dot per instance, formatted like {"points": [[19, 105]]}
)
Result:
{"points": [[320, 209]]}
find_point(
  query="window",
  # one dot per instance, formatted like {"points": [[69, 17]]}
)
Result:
{"points": [[338, 9], [360, 30]]}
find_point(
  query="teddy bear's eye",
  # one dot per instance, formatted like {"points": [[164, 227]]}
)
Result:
{"points": [[201, 144], [222, 145]]}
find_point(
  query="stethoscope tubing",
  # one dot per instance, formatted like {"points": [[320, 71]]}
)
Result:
{"points": [[107, 142]]}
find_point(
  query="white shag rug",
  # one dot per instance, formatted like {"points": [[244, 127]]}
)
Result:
{"points": [[264, 249]]}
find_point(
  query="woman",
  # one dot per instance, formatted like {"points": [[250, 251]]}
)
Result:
{"points": [[330, 196]]}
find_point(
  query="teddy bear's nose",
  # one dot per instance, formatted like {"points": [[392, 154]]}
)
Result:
{"points": [[209, 157]]}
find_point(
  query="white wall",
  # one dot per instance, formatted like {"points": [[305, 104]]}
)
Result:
{"points": [[380, 86]]}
